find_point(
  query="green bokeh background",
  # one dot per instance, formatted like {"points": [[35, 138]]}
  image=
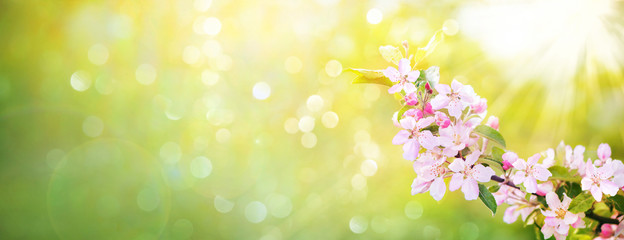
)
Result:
{"points": [[194, 155]]}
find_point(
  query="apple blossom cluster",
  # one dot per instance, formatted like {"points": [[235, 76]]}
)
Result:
{"points": [[444, 132]]}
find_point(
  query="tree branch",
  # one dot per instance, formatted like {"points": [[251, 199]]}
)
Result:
{"points": [[601, 219]]}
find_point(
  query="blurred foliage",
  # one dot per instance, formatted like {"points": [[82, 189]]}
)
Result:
{"points": [[148, 119]]}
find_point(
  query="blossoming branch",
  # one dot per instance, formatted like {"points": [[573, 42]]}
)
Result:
{"points": [[562, 192]]}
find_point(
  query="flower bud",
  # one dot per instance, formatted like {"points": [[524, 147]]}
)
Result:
{"points": [[428, 87], [428, 109], [415, 113], [442, 120], [411, 99], [479, 106], [493, 122]]}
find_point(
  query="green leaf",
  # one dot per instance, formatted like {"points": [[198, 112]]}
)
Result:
{"points": [[487, 198], [494, 188], [491, 134], [581, 203], [391, 54], [421, 53], [618, 202], [562, 173], [497, 153], [370, 76], [571, 189]]}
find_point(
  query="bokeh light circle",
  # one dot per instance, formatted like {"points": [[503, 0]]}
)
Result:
{"points": [[368, 167], [80, 81], [98, 54], [374, 16], [330, 119], [358, 224], [308, 140], [333, 68], [315, 103], [261, 90], [201, 167], [146, 74], [223, 205], [212, 26], [255, 212]]}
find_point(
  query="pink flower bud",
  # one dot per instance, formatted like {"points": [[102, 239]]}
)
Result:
{"points": [[442, 120], [506, 165], [607, 230], [479, 106], [493, 122], [411, 99], [428, 87], [428, 109]]}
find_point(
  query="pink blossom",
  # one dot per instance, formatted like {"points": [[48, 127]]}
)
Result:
{"points": [[558, 218], [414, 112], [529, 171], [467, 174], [574, 159], [606, 232], [549, 161], [479, 105], [492, 122], [413, 138], [454, 138], [454, 98], [430, 178], [604, 154], [508, 159], [404, 76], [442, 120], [597, 181], [411, 99], [428, 109], [618, 171]]}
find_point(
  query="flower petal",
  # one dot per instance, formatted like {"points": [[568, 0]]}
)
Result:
{"points": [[473, 157], [511, 215], [401, 137], [553, 201], [470, 189], [404, 66], [596, 192], [456, 85], [395, 88], [409, 87], [443, 89], [457, 166], [410, 149], [604, 151], [392, 74], [455, 108], [408, 123], [456, 181], [412, 76], [427, 140], [530, 184], [482, 173], [438, 188], [520, 164], [608, 187], [440, 101], [541, 173]]}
